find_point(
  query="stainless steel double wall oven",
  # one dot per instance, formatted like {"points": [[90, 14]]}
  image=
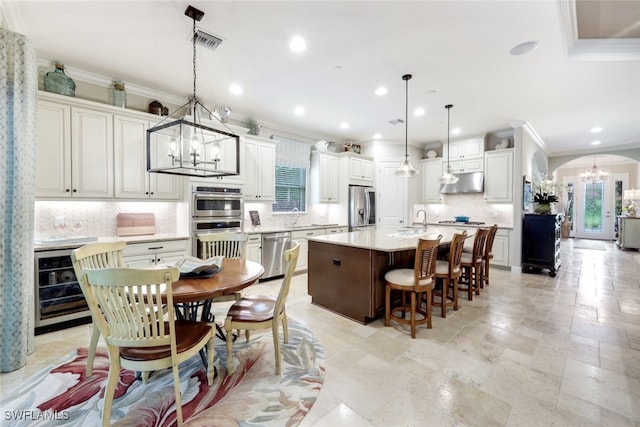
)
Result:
{"points": [[214, 209]]}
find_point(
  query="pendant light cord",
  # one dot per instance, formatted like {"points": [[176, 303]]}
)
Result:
{"points": [[194, 69], [406, 119], [448, 107]]}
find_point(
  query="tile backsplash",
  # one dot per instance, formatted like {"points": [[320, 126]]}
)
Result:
{"points": [[471, 205], [94, 218]]}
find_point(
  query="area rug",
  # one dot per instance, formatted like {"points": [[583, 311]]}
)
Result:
{"points": [[252, 396]]}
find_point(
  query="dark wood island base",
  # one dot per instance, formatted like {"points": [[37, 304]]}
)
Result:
{"points": [[350, 281]]}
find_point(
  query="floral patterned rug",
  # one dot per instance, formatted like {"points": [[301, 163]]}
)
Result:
{"points": [[252, 396]]}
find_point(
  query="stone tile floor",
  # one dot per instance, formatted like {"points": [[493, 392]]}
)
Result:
{"points": [[531, 350]]}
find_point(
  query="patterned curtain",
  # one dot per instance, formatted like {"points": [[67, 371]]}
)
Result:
{"points": [[18, 129]]}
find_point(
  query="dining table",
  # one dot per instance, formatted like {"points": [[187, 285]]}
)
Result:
{"points": [[193, 296]]}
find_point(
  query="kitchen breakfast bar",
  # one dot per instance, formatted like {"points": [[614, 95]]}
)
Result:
{"points": [[346, 271]]}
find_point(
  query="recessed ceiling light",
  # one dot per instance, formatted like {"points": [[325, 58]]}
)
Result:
{"points": [[235, 89], [596, 143], [377, 136], [419, 112], [523, 48], [344, 125], [298, 44], [299, 111], [381, 91], [455, 131], [596, 129]]}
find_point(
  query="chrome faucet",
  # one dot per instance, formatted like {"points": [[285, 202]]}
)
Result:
{"points": [[424, 221], [295, 213]]}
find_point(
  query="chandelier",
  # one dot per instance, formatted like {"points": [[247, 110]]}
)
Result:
{"points": [[186, 143], [594, 174]]}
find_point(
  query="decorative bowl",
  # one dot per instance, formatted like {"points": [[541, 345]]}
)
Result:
{"points": [[462, 218]]}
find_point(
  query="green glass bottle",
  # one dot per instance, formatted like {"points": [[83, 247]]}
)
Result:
{"points": [[119, 96], [57, 81]]}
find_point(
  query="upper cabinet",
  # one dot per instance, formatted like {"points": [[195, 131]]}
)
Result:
{"points": [[74, 152], [325, 171], [430, 173], [87, 150], [498, 176], [132, 181], [259, 164], [360, 170], [465, 155]]}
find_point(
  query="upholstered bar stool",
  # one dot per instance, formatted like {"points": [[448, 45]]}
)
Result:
{"points": [[449, 271], [473, 263], [415, 283]]}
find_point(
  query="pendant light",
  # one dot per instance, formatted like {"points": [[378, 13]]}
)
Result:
{"points": [[448, 177], [186, 143], [406, 169], [594, 174]]}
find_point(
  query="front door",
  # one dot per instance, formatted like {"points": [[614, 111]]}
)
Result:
{"points": [[594, 212]]}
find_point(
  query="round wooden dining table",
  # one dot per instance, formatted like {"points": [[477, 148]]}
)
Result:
{"points": [[236, 274]]}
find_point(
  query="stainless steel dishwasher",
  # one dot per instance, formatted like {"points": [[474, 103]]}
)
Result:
{"points": [[273, 247]]}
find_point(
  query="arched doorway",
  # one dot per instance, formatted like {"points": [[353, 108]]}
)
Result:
{"points": [[593, 204]]}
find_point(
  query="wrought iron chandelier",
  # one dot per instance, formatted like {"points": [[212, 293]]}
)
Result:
{"points": [[594, 174], [186, 143]]}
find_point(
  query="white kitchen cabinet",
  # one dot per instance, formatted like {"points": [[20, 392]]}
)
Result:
{"points": [[254, 248], [498, 177], [500, 248], [465, 148], [132, 181], [74, 152], [259, 162], [167, 252], [430, 173], [360, 170], [301, 236], [325, 171], [465, 166]]}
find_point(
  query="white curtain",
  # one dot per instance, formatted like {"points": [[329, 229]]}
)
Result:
{"points": [[18, 129]]}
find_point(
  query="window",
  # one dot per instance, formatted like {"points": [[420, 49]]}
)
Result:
{"points": [[292, 163]]}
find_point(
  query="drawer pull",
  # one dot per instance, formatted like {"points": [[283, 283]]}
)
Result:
{"points": [[336, 261], [156, 247]]}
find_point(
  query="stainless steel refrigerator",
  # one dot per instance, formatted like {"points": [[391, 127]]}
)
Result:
{"points": [[362, 207]]}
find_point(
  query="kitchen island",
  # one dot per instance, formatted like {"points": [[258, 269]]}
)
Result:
{"points": [[346, 271]]}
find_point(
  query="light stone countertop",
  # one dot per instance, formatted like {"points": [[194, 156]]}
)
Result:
{"points": [[389, 239], [72, 242], [281, 228]]}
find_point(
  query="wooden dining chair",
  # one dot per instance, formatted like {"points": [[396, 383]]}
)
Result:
{"points": [[96, 255], [134, 312], [488, 254], [473, 264], [449, 271], [228, 244], [260, 312], [416, 282]]}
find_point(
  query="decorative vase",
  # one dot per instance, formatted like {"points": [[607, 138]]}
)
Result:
{"points": [[119, 96], [543, 208], [57, 81], [565, 228]]}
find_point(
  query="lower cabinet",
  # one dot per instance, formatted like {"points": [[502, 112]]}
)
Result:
{"points": [[140, 255], [301, 236], [500, 248], [254, 248], [541, 242]]}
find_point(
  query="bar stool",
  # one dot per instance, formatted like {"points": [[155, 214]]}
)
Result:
{"points": [[449, 271], [473, 263], [415, 282], [488, 254]]}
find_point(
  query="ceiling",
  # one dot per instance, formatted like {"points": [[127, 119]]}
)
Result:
{"points": [[457, 52]]}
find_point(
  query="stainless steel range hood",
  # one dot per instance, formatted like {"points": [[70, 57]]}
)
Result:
{"points": [[467, 183]]}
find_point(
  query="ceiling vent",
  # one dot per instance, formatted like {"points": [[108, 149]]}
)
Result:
{"points": [[396, 121], [207, 40]]}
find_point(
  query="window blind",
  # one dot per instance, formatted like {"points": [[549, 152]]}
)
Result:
{"points": [[292, 164]]}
